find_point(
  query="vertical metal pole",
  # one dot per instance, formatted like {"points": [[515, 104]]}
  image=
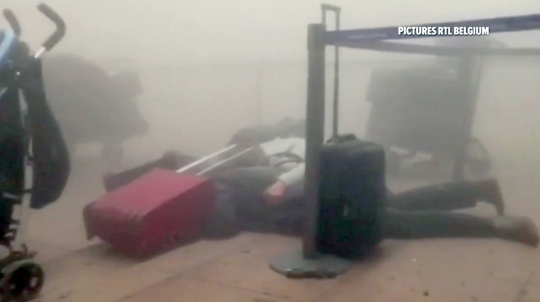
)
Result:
{"points": [[314, 134], [335, 121], [258, 99], [335, 104], [466, 71]]}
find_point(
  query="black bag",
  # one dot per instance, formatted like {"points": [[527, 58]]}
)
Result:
{"points": [[352, 193], [50, 158]]}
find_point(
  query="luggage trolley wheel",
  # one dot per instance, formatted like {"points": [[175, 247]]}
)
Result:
{"points": [[23, 284], [478, 159]]}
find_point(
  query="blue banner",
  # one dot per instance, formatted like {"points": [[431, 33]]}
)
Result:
{"points": [[496, 25]]}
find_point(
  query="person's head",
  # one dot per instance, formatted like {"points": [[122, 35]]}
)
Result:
{"points": [[244, 139]]}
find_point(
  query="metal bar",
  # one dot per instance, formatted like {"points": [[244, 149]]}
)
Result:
{"points": [[496, 25], [258, 109], [335, 121], [440, 51], [472, 66], [26, 204], [314, 134], [335, 105], [466, 71], [222, 162], [202, 160]]}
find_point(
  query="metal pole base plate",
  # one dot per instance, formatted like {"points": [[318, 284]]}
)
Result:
{"points": [[294, 265]]}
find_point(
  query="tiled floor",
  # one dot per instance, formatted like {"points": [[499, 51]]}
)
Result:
{"points": [[237, 270]]}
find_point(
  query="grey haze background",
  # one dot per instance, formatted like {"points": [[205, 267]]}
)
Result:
{"points": [[210, 67], [209, 31]]}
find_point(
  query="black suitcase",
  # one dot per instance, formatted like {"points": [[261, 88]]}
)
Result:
{"points": [[352, 192]]}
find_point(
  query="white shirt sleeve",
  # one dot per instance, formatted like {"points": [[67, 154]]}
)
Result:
{"points": [[294, 177], [293, 145]]}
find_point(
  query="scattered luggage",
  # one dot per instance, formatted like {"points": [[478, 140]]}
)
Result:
{"points": [[156, 211], [352, 196], [170, 161], [351, 192], [152, 214]]}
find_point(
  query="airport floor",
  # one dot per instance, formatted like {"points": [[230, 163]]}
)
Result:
{"points": [[236, 270]]}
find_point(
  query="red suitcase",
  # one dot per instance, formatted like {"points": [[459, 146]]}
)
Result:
{"points": [[153, 213]]}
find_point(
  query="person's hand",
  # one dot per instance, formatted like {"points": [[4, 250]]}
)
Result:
{"points": [[274, 194]]}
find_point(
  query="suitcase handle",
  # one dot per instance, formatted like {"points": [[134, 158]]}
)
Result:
{"points": [[213, 155], [204, 159], [335, 108], [222, 162], [342, 138]]}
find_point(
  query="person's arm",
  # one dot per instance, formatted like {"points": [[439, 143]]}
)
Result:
{"points": [[293, 177], [289, 183]]}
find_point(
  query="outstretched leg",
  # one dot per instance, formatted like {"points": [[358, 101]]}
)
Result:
{"points": [[415, 225], [449, 196], [169, 161]]}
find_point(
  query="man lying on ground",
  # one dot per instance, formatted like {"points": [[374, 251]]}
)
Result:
{"points": [[172, 160], [263, 191]]}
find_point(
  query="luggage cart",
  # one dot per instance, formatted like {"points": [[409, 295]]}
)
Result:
{"points": [[420, 110]]}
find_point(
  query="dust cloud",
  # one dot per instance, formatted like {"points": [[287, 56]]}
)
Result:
{"points": [[210, 67]]}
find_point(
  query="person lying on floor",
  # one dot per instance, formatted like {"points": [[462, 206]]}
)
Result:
{"points": [[263, 192], [174, 160]]}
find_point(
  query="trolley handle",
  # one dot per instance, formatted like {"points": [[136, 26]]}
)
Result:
{"points": [[329, 7], [12, 21], [60, 31]]}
